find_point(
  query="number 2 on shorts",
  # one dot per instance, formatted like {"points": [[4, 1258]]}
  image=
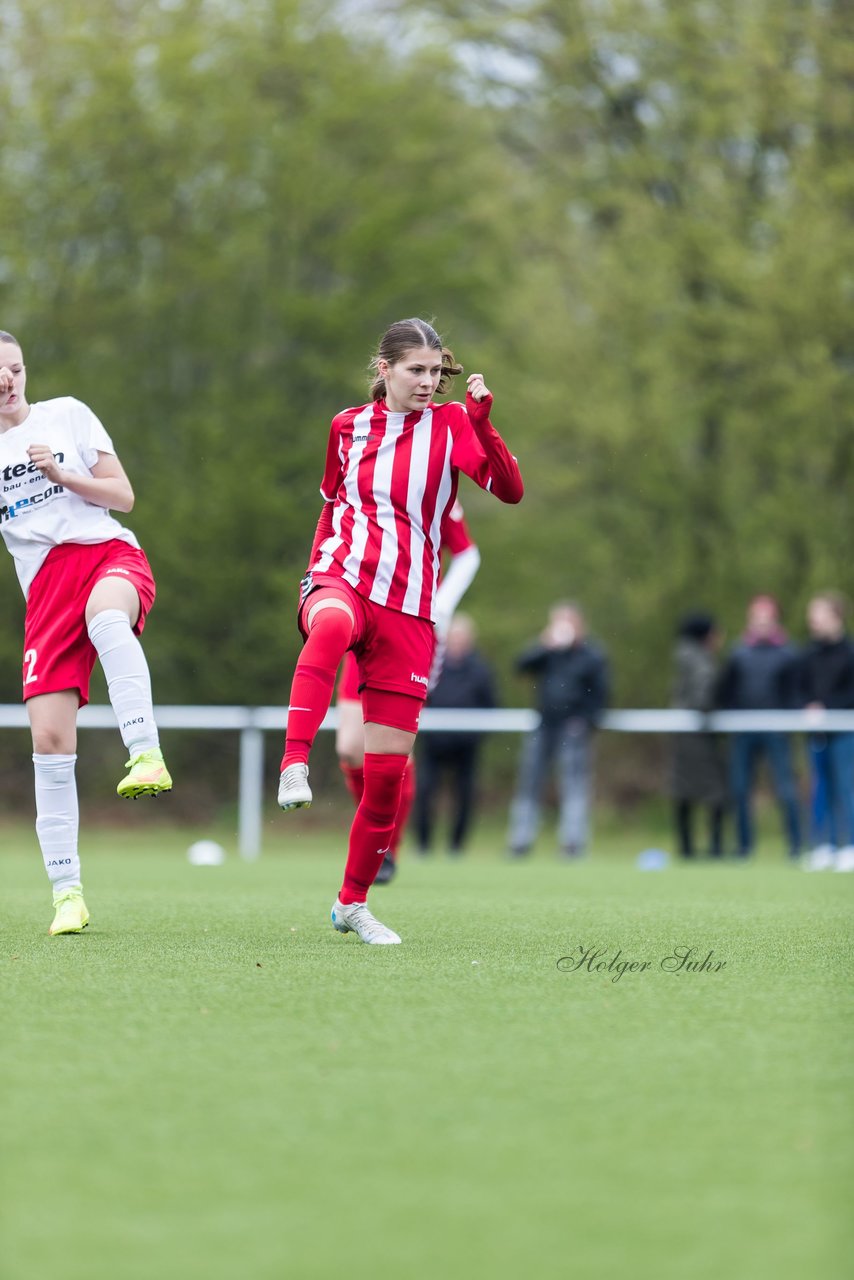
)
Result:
{"points": [[30, 658]]}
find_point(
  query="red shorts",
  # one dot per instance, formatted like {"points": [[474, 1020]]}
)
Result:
{"points": [[58, 653], [348, 680], [392, 650]]}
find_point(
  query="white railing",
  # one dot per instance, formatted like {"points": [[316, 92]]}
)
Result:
{"points": [[253, 722]]}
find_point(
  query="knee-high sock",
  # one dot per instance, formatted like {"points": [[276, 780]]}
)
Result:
{"points": [[314, 680], [407, 795], [354, 776], [373, 824], [128, 680], [57, 819]]}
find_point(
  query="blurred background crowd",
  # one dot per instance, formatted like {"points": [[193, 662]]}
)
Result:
{"points": [[712, 776], [633, 218]]}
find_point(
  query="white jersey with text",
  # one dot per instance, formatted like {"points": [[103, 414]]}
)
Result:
{"points": [[35, 514]]}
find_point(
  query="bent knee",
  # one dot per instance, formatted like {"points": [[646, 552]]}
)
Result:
{"points": [[53, 742], [330, 612], [350, 735], [350, 753]]}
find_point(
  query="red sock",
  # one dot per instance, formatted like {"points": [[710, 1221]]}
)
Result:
{"points": [[314, 680], [354, 776], [373, 824], [407, 795]]}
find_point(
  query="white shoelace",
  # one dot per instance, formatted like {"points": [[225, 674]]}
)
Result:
{"points": [[358, 913], [296, 781]]}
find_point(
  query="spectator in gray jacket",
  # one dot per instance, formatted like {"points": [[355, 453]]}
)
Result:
{"points": [[571, 681]]}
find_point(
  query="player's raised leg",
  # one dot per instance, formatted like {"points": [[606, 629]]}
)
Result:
{"points": [[330, 623], [112, 611]]}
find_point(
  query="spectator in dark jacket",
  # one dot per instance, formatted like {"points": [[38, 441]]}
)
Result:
{"points": [[698, 767], [571, 682], [827, 681], [466, 681], [761, 674]]}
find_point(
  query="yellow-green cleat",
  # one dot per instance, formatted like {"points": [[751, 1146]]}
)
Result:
{"points": [[71, 914], [147, 776]]}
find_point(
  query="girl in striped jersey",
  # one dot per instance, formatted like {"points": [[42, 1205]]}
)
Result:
{"points": [[392, 468], [458, 544]]}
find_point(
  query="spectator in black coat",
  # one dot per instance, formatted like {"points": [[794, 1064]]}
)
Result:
{"points": [[466, 681], [571, 682], [698, 763], [761, 674], [827, 681]]}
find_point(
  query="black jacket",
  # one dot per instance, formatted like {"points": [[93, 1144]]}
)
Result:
{"points": [[827, 673], [760, 677], [571, 683], [466, 683]]}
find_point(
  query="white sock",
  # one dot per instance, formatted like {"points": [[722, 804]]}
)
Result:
{"points": [[128, 681], [57, 819]]}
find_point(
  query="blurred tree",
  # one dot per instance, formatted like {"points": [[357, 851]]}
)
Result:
{"points": [[210, 214], [635, 217], [683, 325]]}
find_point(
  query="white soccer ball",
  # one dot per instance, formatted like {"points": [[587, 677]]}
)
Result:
{"points": [[206, 853], [653, 860]]}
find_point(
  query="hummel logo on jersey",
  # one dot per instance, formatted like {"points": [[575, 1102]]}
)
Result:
{"points": [[418, 679], [361, 439]]}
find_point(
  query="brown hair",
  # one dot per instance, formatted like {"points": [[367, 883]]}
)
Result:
{"points": [[401, 337]]}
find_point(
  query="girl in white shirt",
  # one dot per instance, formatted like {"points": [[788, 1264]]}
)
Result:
{"points": [[88, 587]]}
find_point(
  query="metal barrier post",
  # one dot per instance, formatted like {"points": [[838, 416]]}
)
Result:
{"points": [[251, 793]]}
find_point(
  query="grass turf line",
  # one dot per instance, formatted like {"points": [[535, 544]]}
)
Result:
{"points": [[211, 1082]]}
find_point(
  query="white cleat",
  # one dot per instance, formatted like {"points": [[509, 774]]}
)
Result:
{"points": [[354, 917], [294, 791], [822, 858], [844, 860]]}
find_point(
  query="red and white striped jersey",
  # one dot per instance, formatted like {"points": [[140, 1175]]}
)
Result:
{"points": [[390, 480]]}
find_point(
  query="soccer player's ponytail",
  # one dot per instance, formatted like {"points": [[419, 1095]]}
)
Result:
{"points": [[450, 369], [401, 337]]}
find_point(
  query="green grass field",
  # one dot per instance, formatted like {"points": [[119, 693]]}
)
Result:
{"points": [[210, 1082]]}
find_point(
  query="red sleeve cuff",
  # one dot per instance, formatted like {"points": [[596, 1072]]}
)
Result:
{"points": [[478, 410]]}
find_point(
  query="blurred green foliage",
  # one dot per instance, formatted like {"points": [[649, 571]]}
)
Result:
{"points": [[635, 218]]}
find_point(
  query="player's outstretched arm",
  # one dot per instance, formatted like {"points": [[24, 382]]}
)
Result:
{"points": [[106, 486], [505, 478]]}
